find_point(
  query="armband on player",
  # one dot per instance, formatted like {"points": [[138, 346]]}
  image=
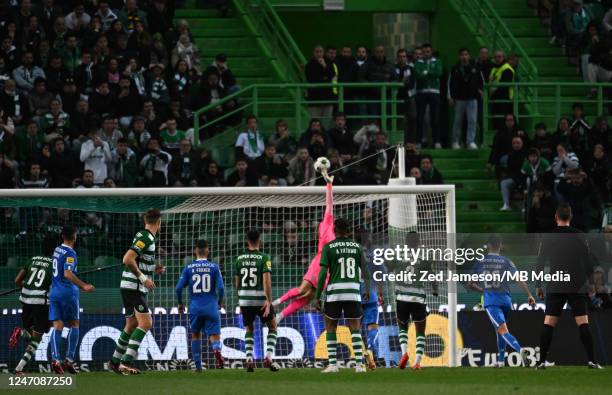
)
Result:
{"points": [[142, 278]]}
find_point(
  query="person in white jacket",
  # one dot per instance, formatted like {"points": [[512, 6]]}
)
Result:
{"points": [[96, 155]]}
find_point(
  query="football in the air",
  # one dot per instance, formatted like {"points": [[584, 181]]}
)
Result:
{"points": [[322, 164]]}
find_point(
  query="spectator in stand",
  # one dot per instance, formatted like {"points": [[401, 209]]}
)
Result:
{"points": [[78, 19], [184, 165], [154, 165], [13, 104], [56, 123], [286, 145], [159, 16], [123, 169], [82, 121], [465, 87], [430, 175], [56, 74], [106, 14], [502, 72], [404, 72], [84, 74], [212, 92], [589, 40], [187, 51], [227, 79], [502, 143], [157, 87], [564, 161], [109, 183], [129, 102], [151, 119], [319, 71], [48, 11], [599, 170], [69, 96], [415, 173], [171, 137], [599, 67], [9, 53], [27, 73], [380, 160], [428, 72], [242, 175], [180, 84], [34, 179], [211, 177], [109, 133], [130, 14], [250, 144], [543, 142], [540, 211], [33, 34], [63, 166], [578, 191], [376, 69], [139, 136], [96, 156], [87, 181], [317, 146], [511, 177], [601, 134], [342, 139], [29, 143], [576, 22], [347, 66], [361, 58], [536, 171], [270, 165], [314, 126], [301, 169], [40, 99], [337, 168], [103, 101], [71, 53]]}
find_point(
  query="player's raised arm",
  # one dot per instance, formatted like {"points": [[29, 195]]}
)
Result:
{"points": [[129, 260]]}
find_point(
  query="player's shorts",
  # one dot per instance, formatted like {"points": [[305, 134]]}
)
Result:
{"points": [[36, 317], [210, 323], [577, 301], [249, 313], [134, 301], [370, 313], [498, 314], [410, 311], [350, 310], [64, 309]]}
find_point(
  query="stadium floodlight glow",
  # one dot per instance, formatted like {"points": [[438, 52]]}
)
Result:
{"points": [[287, 217]]}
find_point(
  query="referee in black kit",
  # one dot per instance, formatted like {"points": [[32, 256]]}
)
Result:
{"points": [[565, 250]]}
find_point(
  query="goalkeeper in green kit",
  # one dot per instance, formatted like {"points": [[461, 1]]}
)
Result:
{"points": [[345, 261]]}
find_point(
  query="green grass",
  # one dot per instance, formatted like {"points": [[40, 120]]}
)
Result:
{"points": [[555, 380]]}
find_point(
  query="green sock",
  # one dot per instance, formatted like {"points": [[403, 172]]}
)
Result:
{"points": [[249, 344], [357, 346], [271, 343], [403, 340], [420, 346], [133, 345], [30, 351], [122, 344], [331, 347]]}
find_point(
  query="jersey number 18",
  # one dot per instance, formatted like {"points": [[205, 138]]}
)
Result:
{"points": [[347, 267]]}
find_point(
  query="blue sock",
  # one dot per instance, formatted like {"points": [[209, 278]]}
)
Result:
{"points": [[56, 341], [216, 345], [501, 348], [73, 342], [373, 341], [512, 342], [196, 352]]}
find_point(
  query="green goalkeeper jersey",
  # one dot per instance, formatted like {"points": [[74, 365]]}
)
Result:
{"points": [[144, 246], [250, 268], [410, 291], [342, 257], [37, 280]]}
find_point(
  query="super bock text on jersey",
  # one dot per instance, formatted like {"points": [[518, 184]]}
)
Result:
{"points": [[342, 257], [35, 294], [133, 292], [249, 268], [64, 295], [205, 285]]}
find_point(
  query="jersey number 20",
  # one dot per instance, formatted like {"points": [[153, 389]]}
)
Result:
{"points": [[201, 283]]}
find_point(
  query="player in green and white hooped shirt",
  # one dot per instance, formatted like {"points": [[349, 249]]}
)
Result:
{"points": [[343, 258], [136, 282], [411, 306], [35, 280], [253, 280]]}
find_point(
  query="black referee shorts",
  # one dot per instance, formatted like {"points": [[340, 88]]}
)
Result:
{"points": [[35, 317], [577, 301]]}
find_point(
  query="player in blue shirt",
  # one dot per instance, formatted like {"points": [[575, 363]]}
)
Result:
{"points": [[64, 300], [205, 297], [370, 304], [497, 300]]}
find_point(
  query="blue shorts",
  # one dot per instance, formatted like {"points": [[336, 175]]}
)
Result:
{"points": [[498, 314], [64, 309], [370, 314], [209, 323]]}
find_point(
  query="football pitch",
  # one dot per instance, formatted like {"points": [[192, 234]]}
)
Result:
{"points": [[555, 380]]}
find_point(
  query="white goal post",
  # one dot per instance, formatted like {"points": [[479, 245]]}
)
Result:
{"points": [[196, 212]]}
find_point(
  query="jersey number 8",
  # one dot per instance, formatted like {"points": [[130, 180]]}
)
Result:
{"points": [[201, 283]]}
